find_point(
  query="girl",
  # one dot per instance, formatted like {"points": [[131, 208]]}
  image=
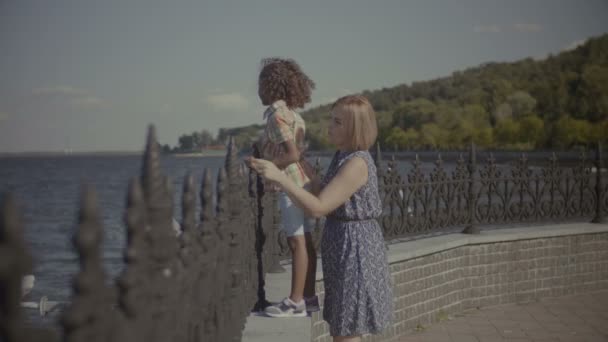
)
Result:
{"points": [[283, 87]]}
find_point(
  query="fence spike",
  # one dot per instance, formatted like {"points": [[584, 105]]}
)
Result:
{"points": [[151, 178], [135, 256], [86, 315], [231, 161], [16, 263], [206, 195]]}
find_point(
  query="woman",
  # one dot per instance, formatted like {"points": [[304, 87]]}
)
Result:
{"points": [[358, 295]]}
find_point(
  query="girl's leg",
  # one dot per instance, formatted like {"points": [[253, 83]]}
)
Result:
{"points": [[309, 286], [300, 261]]}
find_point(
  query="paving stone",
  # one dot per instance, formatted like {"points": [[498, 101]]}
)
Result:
{"points": [[563, 319]]}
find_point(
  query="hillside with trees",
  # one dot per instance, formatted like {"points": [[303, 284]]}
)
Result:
{"points": [[558, 102]]}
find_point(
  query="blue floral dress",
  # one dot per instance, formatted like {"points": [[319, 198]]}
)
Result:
{"points": [[358, 293]]}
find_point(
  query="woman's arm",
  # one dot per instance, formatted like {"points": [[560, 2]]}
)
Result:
{"points": [[351, 176]]}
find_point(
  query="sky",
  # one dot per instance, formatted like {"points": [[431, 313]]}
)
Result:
{"points": [[89, 75]]}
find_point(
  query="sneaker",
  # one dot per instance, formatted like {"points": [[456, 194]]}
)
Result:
{"points": [[287, 308], [312, 304]]}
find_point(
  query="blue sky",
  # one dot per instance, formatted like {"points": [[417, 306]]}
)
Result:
{"points": [[91, 75]]}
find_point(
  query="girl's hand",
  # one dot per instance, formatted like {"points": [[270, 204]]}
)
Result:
{"points": [[265, 168]]}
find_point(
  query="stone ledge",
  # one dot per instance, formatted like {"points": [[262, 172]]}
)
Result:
{"points": [[301, 329], [414, 249]]}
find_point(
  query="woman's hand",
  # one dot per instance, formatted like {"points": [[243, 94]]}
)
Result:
{"points": [[265, 168]]}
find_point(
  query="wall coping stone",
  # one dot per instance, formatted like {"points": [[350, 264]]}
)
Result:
{"points": [[258, 329]]}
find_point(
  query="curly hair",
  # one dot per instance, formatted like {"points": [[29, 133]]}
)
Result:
{"points": [[283, 79]]}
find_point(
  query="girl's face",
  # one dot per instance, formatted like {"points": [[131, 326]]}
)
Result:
{"points": [[337, 129]]}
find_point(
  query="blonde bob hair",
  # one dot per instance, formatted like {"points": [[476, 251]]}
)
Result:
{"points": [[360, 119]]}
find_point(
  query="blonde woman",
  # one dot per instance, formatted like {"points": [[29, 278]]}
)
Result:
{"points": [[358, 294]]}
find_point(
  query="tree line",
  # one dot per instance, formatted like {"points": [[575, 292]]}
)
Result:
{"points": [[558, 102]]}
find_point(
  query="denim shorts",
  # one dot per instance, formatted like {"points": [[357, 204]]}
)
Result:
{"points": [[293, 220]]}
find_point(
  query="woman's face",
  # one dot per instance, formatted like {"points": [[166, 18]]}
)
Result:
{"points": [[337, 129]]}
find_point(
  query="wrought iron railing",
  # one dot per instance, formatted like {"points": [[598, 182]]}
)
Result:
{"points": [[469, 195], [483, 194], [199, 285]]}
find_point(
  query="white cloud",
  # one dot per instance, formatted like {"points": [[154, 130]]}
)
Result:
{"points": [[74, 97], [88, 101], [574, 44], [228, 102], [487, 28], [328, 100], [336, 95], [527, 27], [59, 90]]}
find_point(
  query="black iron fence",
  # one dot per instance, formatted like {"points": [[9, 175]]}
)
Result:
{"points": [[198, 284], [201, 284], [474, 194], [470, 194]]}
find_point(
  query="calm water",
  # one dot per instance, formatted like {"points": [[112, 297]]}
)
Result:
{"points": [[48, 190]]}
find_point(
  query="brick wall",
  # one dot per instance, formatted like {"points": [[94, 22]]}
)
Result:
{"points": [[429, 288]]}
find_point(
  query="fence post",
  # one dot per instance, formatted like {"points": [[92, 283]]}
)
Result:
{"points": [[262, 241], [599, 218], [273, 232], [378, 162], [471, 228]]}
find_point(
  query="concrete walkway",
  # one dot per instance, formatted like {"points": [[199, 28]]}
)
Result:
{"points": [[565, 319]]}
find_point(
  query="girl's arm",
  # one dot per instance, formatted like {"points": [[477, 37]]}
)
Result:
{"points": [[315, 182], [291, 155], [351, 176]]}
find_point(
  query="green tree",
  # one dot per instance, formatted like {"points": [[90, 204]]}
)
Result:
{"points": [[568, 132], [431, 135], [414, 113], [521, 103], [401, 139], [186, 143], [507, 132], [594, 92], [531, 130]]}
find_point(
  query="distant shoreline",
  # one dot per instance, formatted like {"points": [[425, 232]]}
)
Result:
{"points": [[70, 154], [211, 153]]}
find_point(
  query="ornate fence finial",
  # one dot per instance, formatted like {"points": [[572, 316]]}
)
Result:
{"points": [[158, 197], [136, 258], [460, 172], [206, 196], [231, 161], [87, 316], [188, 236], [222, 192], [188, 203], [151, 178], [439, 161], [378, 155]]}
